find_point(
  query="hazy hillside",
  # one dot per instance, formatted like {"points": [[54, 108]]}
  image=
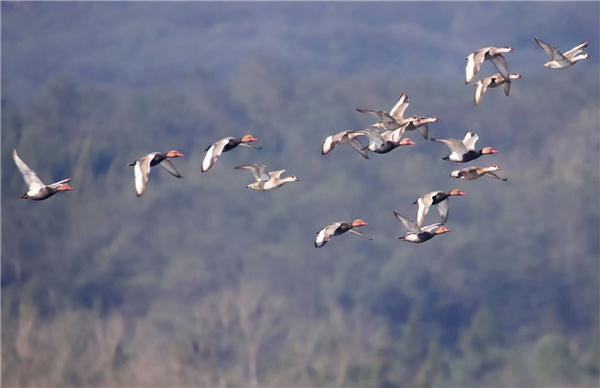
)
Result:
{"points": [[202, 282]]}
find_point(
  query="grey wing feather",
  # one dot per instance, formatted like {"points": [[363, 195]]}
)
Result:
{"points": [[381, 115], [550, 50], [454, 145], [409, 225], [167, 165], [492, 175], [358, 233], [259, 171], [424, 129], [360, 147], [506, 88], [500, 62], [443, 209], [373, 135], [249, 145]]}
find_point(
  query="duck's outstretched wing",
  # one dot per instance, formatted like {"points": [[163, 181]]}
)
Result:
{"points": [[167, 165], [493, 175], [576, 50], [213, 152], [443, 209], [470, 140], [141, 171], [409, 225], [552, 51], [358, 233], [259, 171], [456, 146], [397, 111], [500, 62], [29, 176], [325, 234]]}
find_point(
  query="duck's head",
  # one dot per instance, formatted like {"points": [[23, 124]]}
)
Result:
{"points": [[488, 150], [406, 141], [359, 222], [64, 187], [457, 191], [174, 154], [442, 230], [248, 138]]}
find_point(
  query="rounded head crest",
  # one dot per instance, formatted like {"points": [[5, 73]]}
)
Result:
{"points": [[489, 150], [174, 154], [442, 230], [359, 222], [65, 187], [249, 138]]}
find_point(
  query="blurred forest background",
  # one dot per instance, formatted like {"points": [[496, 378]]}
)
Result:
{"points": [[201, 282]]}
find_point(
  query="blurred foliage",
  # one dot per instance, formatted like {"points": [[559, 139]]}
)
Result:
{"points": [[201, 282]]}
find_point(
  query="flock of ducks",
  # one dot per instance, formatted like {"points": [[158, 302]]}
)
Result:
{"points": [[383, 137]]}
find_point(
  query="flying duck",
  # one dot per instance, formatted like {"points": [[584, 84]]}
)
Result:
{"points": [[392, 120], [560, 60], [493, 82], [341, 138], [416, 234], [338, 228], [494, 54], [382, 143], [475, 172], [36, 189], [143, 165], [464, 150], [266, 180], [226, 144], [439, 198]]}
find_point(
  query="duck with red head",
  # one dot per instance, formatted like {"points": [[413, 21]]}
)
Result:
{"points": [[493, 81], [491, 53], [338, 228], [417, 234], [143, 165], [37, 189], [439, 198], [475, 172], [226, 144], [464, 150], [382, 143]]}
